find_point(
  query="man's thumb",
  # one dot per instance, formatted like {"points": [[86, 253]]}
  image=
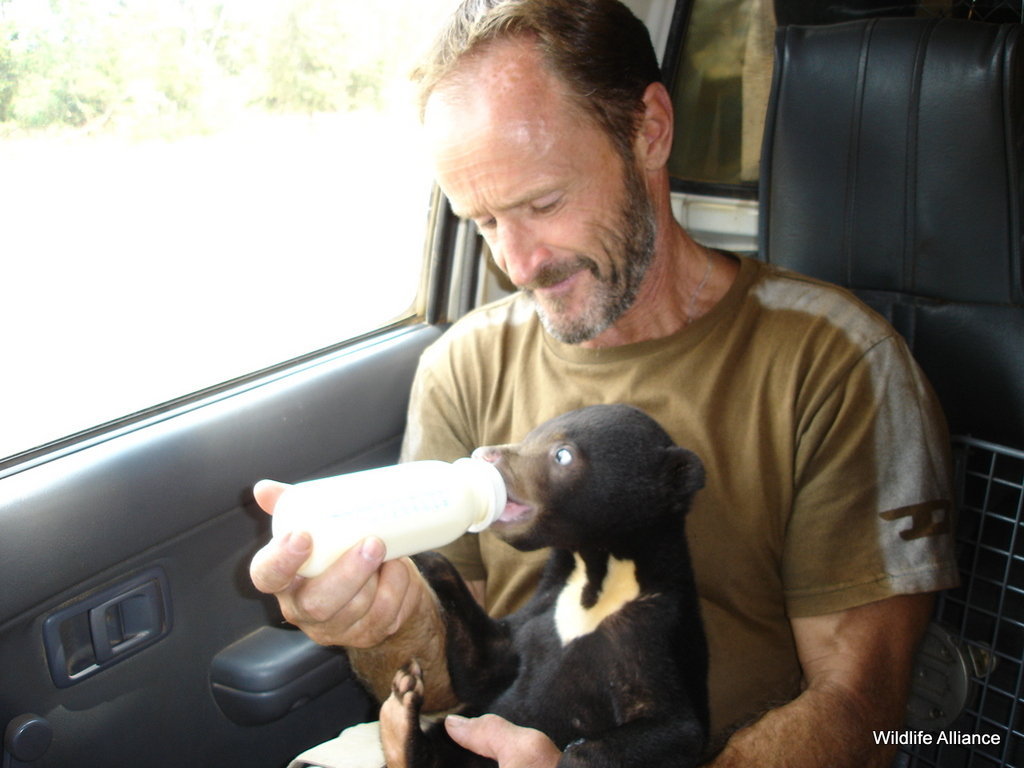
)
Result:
{"points": [[510, 745], [476, 734], [267, 492]]}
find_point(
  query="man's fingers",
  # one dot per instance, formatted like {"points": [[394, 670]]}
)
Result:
{"points": [[473, 734], [358, 601], [273, 569], [267, 492], [350, 582], [494, 737], [371, 614]]}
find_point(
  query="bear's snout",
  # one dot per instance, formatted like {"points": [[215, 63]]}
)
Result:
{"points": [[487, 453]]}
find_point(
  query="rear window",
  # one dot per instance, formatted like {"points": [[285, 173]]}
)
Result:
{"points": [[722, 76]]}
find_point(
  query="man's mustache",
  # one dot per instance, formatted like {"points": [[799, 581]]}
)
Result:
{"points": [[553, 274]]}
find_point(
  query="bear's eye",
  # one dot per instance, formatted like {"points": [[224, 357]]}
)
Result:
{"points": [[563, 457]]}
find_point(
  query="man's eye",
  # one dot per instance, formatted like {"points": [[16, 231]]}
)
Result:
{"points": [[563, 457], [546, 204], [485, 224]]}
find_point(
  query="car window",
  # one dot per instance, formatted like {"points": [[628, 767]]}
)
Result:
{"points": [[195, 190], [722, 76]]}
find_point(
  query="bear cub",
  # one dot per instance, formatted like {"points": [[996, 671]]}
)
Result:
{"points": [[608, 658]]}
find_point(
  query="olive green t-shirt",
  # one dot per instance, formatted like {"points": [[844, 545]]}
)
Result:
{"points": [[825, 451]]}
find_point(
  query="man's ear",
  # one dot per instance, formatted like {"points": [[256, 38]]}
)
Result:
{"points": [[654, 139], [688, 469]]}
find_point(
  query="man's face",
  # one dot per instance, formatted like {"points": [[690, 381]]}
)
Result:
{"points": [[566, 219]]}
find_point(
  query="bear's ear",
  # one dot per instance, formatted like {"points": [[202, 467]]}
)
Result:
{"points": [[687, 469]]}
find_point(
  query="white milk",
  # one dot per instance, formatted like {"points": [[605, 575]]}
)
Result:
{"points": [[412, 507]]}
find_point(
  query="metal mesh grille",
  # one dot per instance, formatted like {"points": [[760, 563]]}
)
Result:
{"points": [[987, 610], [989, 10]]}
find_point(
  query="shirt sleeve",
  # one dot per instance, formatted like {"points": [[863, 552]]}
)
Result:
{"points": [[873, 510]]}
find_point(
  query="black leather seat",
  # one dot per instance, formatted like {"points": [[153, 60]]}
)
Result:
{"points": [[892, 165]]}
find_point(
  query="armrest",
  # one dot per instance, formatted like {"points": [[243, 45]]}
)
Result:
{"points": [[270, 672]]}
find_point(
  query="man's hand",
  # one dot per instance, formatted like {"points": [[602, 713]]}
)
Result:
{"points": [[384, 613], [511, 745], [358, 602]]}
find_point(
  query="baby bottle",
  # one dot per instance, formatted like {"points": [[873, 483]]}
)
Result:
{"points": [[412, 507]]}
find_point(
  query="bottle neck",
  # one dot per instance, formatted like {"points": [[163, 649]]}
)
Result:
{"points": [[488, 486]]}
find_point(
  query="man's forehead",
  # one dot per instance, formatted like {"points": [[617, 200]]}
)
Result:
{"points": [[498, 135], [506, 81], [500, 66]]}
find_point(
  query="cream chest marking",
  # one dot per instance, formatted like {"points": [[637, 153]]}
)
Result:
{"points": [[572, 619]]}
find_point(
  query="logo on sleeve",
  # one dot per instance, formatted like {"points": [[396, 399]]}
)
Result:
{"points": [[928, 519]]}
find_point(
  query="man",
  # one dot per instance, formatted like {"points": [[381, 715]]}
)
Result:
{"points": [[824, 524]]}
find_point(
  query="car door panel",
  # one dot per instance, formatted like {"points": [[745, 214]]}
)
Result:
{"points": [[173, 496]]}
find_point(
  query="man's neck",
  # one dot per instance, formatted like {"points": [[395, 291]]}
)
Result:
{"points": [[685, 280]]}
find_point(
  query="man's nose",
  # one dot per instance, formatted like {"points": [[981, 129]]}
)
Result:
{"points": [[519, 253]]}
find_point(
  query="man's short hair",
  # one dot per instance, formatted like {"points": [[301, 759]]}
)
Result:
{"points": [[598, 48]]}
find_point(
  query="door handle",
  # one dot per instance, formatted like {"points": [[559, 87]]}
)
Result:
{"points": [[99, 630], [126, 621]]}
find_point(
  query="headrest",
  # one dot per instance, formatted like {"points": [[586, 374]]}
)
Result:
{"points": [[892, 157]]}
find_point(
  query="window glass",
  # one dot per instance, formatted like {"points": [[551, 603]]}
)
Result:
{"points": [[722, 81], [196, 189]]}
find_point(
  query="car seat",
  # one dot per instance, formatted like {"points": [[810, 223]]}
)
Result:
{"points": [[892, 165]]}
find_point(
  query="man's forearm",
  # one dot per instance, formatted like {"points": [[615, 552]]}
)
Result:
{"points": [[421, 637], [856, 665], [820, 728]]}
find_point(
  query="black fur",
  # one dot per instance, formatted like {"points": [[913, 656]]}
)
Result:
{"points": [[598, 482]]}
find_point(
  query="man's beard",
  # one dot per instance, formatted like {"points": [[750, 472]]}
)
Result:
{"points": [[629, 250]]}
